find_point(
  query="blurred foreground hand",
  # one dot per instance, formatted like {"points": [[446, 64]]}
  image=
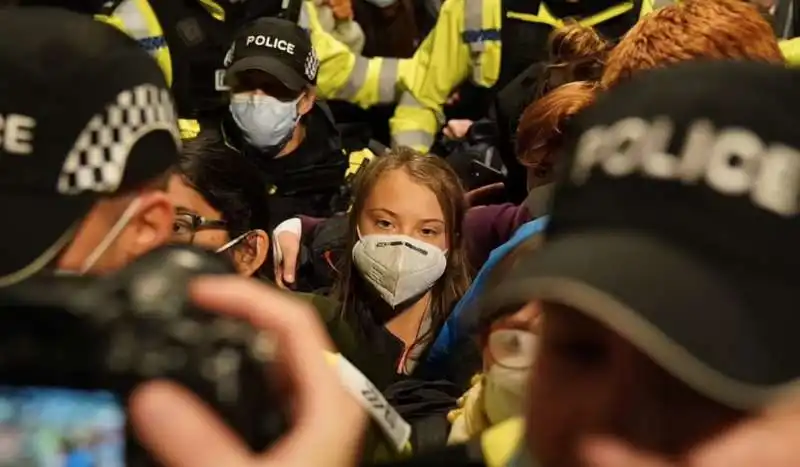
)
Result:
{"points": [[771, 440], [327, 425]]}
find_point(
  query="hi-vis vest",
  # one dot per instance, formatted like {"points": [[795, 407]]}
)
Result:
{"points": [[342, 75], [791, 51], [465, 45], [499, 445]]}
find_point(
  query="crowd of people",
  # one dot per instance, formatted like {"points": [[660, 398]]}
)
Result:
{"points": [[552, 233]]}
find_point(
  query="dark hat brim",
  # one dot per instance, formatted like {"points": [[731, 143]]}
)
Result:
{"points": [[662, 300], [271, 66], [36, 230]]}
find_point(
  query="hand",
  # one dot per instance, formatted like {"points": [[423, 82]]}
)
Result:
{"points": [[286, 249], [342, 9], [768, 441], [457, 129], [453, 98], [181, 431]]}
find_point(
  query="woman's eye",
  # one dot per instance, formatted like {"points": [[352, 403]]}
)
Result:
{"points": [[179, 228], [429, 232], [384, 224]]}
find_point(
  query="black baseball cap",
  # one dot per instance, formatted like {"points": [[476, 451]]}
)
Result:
{"points": [[85, 113], [278, 47], [675, 223]]}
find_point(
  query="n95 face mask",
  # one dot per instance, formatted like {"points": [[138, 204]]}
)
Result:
{"points": [[397, 266]]}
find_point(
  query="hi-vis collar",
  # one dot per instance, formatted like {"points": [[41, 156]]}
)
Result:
{"points": [[396, 429], [500, 444]]}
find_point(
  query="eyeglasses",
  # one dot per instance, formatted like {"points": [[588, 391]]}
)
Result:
{"points": [[512, 348], [187, 224]]}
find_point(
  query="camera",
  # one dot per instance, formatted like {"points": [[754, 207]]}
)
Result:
{"points": [[72, 349]]}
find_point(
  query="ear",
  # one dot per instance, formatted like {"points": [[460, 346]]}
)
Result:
{"points": [[307, 101], [151, 226], [250, 256]]}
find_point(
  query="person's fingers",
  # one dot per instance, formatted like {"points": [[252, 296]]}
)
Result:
{"points": [[608, 453], [279, 313], [279, 277], [290, 249], [770, 441], [448, 132], [319, 414], [343, 11], [181, 431]]}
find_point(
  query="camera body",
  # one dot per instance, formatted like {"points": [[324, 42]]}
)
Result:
{"points": [[72, 349]]}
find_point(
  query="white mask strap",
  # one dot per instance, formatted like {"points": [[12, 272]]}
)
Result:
{"points": [[111, 236], [233, 242]]}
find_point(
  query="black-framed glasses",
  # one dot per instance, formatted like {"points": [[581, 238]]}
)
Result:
{"points": [[187, 224]]}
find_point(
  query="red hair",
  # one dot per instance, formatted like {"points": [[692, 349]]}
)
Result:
{"points": [[542, 124], [692, 29]]}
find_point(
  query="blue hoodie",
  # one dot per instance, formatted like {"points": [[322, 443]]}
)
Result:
{"points": [[462, 322]]}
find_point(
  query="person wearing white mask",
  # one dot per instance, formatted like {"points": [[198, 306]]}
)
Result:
{"points": [[277, 124], [83, 172], [407, 266]]}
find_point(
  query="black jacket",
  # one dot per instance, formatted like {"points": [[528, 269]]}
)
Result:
{"points": [[308, 181]]}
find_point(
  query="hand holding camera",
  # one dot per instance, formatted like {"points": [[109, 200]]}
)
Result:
{"points": [[201, 388]]}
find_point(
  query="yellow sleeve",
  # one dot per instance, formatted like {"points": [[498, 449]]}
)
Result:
{"points": [[500, 442], [358, 160], [440, 65], [647, 7], [346, 76], [791, 51], [138, 20]]}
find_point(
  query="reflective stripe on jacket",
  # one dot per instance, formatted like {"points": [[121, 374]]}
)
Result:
{"points": [[464, 44], [342, 75], [138, 20], [346, 76]]}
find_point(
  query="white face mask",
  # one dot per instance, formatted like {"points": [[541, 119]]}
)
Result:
{"points": [[397, 266], [106, 242], [265, 121], [504, 386]]}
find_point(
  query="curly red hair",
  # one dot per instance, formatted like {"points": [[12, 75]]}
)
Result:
{"points": [[692, 29]]}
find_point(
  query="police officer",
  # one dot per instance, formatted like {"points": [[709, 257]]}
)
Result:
{"points": [[489, 43], [276, 123], [189, 39]]}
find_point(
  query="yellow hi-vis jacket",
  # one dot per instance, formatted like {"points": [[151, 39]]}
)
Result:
{"points": [[791, 51], [464, 44], [500, 443], [342, 75]]}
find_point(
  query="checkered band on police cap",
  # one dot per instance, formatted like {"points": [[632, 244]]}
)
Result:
{"points": [[97, 161]]}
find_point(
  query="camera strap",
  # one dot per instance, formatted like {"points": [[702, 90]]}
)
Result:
{"points": [[370, 398]]}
